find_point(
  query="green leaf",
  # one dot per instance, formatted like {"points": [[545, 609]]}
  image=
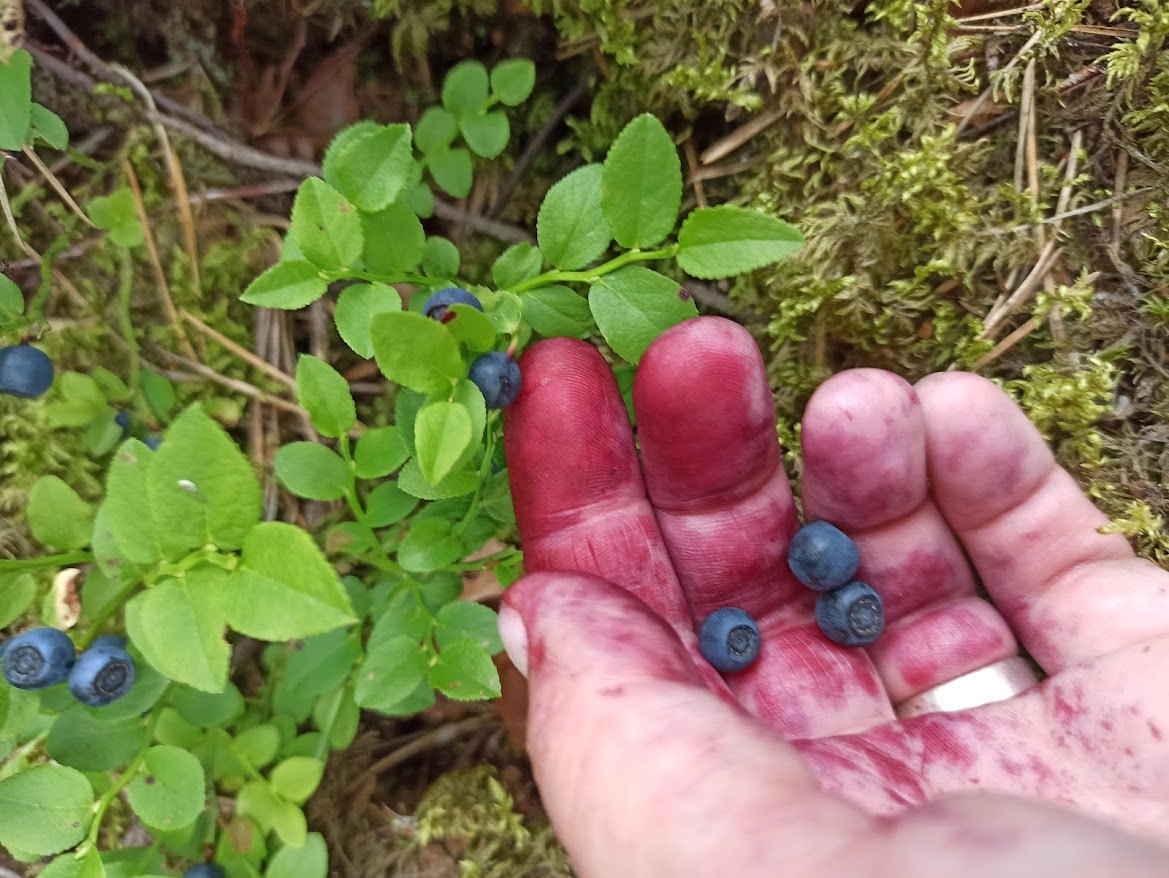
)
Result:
{"points": [[49, 127], [513, 80], [486, 133], [345, 138], [258, 745], [324, 392], [159, 393], [286, 285], [420, 199], [168, 792], [465, 672], [316, 665], [437, 129], [178, 628], [82, 741], [717, 242], [126, 508], [394, 240], [641, 184], [372, 170], [464, 90], [442, 433], [11, 299], [406, 408], [257, 800], [297, 778], [201, 487], [207, 708], [441, 258], [451, 169], [415, 351], [16, 99], [571, 227], [57, 516], [558, 311], [69, 866], [379, 452], [44, 810], [390, 673], [327, 225], [517, 263], [467, 620], [309, 861], [112, 387], [355, 306], [470, 326], [17, 591], [118, 214], [285, 588], [470, 398], [456, 484], [312, 471], [429, 545], [634, 305], [388, 504]]}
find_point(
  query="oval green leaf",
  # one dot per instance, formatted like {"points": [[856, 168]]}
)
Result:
{"points": [[724, 241], [168, 793], [289, 285], [571, 227], [634, 305], [442, 433], [641, 184]]}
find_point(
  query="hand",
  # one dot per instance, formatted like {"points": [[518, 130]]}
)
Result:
{"points": [[652, 764]]}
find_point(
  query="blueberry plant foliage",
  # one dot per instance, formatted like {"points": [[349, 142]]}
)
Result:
{"points": [[365, 615]]}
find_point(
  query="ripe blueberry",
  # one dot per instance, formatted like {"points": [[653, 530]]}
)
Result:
{"points": [[851, 615], [38, 658], [152, 441], [103, 673], [25, 371], [729, 639], [204, 870], [498, 376], [822, 557], [436, 306]]}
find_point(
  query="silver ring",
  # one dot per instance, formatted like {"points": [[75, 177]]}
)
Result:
{"points": [[998, 682]]}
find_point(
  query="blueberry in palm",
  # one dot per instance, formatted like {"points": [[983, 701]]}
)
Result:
{"points": [[729, 639], [25, 371], [38, 658], [822, 557], [851, 615], [498, 375], [438, 303], [103, 673]]}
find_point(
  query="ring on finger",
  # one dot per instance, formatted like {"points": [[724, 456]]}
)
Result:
{"points": [[996, 682]]}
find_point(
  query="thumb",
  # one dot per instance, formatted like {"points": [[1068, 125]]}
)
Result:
{"points": [[645, 771]]}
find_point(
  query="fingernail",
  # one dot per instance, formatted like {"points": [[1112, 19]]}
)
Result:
{"points": [[515, 638]]}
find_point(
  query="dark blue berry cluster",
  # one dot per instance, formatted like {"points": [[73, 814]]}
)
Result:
{"points": [[44, 657], [495, 373], [824, 558]]}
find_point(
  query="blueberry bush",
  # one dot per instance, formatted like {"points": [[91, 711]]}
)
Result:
{"points": [[158, 585]]}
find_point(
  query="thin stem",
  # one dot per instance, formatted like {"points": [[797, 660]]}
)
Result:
{"points": [[484, 472], [360, 517], [484, 562], [374, 277], [108, 610], [125, 288], [592, 275], [66, 559]]}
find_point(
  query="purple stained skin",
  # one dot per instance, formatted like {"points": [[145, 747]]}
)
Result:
{"points": [[921, 478]]}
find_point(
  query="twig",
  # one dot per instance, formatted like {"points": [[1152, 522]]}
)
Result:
{"points": [[442, 736], [58, 187], [1006, 344], [982, 98], [240, 351], [168, 303], [1079, 211], [1046, 259], [726, 145], [235, 384], [535, 145], [692, 164]]}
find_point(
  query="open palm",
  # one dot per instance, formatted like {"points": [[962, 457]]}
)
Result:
{"points": [[652, 763]]}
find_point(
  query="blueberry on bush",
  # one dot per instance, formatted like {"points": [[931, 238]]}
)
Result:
{"points": [[498, 376], [204, 870], [851, 615], [822, 557], [38, 658], [152, 441], [729, 639], [122, 419], [25, 371], [103, 673], [436, 306]]}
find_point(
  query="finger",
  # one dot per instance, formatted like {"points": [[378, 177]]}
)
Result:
{"points": [[1068, 591], [864, 443], [576, 483], [642, 770], [712, 464]]}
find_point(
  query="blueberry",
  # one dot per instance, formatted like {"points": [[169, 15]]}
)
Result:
{"points": [[729, 639], [38, 658], [122, 419], [108, 641], [436, 306], [822, 557], [152, 441], [851, 615], [25, 371], [498, 376], [204, 870], [103, 673]]}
